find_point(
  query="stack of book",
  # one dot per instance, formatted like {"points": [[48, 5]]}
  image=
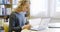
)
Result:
{"points": [[4, 11], [4, 1], [8, 11]]}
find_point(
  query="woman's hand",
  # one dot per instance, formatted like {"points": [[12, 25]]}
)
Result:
{"points": [[28, 26]]}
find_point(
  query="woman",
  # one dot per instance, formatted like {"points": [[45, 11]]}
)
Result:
{"points": [[17, 18]]}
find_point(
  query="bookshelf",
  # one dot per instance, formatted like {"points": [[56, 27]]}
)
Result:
{"points": [[5, 8]]}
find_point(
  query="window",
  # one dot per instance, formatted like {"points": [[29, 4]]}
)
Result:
{"points": [[57, 5], [38, 8], [46, 8]]}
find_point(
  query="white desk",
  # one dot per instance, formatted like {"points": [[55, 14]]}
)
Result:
{"points": [[50, 30]]}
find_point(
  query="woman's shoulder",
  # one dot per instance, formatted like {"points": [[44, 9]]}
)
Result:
{"points": [[12, 14]]}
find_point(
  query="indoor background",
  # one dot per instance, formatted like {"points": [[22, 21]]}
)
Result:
{"points": [[45, 14]]}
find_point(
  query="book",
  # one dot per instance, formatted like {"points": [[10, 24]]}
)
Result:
{"points": [[1, 21], [3, 10], [0, 1], [15, 2], [0, 11], [3, 1], [8, 11], [6, 1]]}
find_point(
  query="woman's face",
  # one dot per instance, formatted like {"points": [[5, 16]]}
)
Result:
{"points": [[25, 8]]}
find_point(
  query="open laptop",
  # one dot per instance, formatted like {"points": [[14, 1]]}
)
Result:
{"points": [[39, 24]]}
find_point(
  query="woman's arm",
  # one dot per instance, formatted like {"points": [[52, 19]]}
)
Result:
{"points": [[12, 23]]}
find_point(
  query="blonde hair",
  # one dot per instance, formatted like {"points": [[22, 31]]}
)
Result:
{"points": [[21, 4]]}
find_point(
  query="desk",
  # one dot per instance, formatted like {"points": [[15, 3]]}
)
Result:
{"points": [[50, 30]]}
